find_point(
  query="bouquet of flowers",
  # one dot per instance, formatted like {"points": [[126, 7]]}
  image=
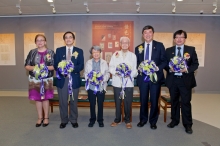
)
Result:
{"points": [[123, 70], [65, 68], [177, 63], [41, 72], [149, 68], [95, 78]]}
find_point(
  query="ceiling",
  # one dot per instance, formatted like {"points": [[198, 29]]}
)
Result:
{"points": [[77, 7]]}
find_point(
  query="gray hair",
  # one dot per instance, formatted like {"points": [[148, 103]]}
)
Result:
{"points": [[97, 48], [124, 37]]}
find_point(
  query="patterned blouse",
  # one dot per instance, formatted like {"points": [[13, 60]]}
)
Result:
{"points": [[34, 58]]}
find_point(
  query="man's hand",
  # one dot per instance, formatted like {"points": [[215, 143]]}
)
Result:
{"points": [[183, 70], [171, 70]]}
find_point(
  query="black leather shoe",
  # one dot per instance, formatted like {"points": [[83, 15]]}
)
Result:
{"points": [[153, 126], [101, 124], [188, 129], [62, 125], [172, 124], [141, 124], [75, 125], [90, 124], [38, 125], [45, 124]]}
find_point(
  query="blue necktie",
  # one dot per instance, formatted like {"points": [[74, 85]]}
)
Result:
{"points": [[147, 53], [179, 54]]}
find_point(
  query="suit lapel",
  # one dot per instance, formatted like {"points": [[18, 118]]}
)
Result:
{"points": [[141, 55], [154, 49], [185, 50], [173, 52]]}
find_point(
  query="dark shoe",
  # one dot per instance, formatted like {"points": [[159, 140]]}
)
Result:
{"points": [[172, 124], [153, 126], [141, 124], [101, 124], [90, 124], [188, 129], [62, 125], [45, 124], [75, 125], [37, 124]]}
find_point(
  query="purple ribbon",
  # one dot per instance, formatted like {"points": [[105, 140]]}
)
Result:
{"points": [[65, 72], [123, 73], [176, 67], [96, 84], [42, 77]]}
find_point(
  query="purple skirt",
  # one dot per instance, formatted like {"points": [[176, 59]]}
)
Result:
{"points": [[34, 89]]}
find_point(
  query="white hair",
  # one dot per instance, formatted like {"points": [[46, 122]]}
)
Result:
{"points": [[97, 48], [124, 37]]}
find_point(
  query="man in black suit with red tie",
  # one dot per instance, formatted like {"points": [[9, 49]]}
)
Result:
{"points": [[181, 84], [155, 51]]}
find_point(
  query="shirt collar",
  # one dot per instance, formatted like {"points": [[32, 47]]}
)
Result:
{"points": [[148, 43]]}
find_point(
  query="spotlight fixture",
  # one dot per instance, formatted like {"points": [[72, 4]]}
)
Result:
{"points": [[19, 9], [138, 4], [49, 1], [174, 7], [87, 7], [53, 8], [215, 9]]}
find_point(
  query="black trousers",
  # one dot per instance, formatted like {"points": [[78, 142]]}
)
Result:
{"points": [[177, 90], [92, 99], [127, 103]]}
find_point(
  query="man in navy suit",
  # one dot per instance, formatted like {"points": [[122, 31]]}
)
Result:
{"points": [[150, 50], [181, 84], [69, 52]]}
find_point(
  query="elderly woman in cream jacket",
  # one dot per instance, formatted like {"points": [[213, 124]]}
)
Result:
{"points": [[96, 64]]}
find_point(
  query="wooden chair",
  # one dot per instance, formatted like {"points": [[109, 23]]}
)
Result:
{"points": [[164, 103]]}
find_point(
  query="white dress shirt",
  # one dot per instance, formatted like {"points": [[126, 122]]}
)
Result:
{"points": [[131, 60]]}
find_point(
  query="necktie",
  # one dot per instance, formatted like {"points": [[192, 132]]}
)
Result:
{"points": [[178, 54], [69, 55], [147, 53]]}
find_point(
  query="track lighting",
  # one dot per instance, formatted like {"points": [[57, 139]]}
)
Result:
{"points": [[215, 9], [138, 4], [53, 8], [174, 7], [19, 9], [87, 7]]}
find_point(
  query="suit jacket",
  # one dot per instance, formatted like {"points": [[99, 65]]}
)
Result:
{"points": [[78, 66], [192, 63], [158, 56]]}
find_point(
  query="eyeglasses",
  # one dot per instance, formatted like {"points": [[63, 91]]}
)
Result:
{"points": [[125, 43], [180, 37], [40, 40], [69, 37]]}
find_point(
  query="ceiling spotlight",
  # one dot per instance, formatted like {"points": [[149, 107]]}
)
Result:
{"points": [[54, 11], [138, 4], [49, 1], [179, 0], [19, 9], [174, 7], [53, 8], [87, 7], [215, 9]]}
